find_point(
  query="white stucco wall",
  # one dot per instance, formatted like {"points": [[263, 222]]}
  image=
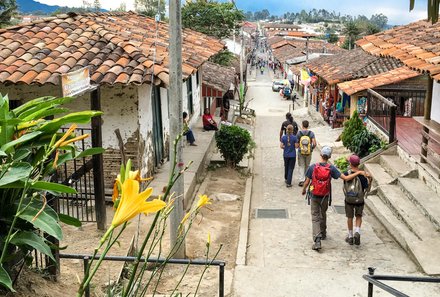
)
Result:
{"points": [[145, 129], [435, 107], [119, 105], [196, 98]]}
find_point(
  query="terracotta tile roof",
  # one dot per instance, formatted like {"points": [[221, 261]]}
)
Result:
{"points": [[398, 74], [217, 76], [314, 46], [350, 65], [286, 52], [417, 45], [118, 48]]}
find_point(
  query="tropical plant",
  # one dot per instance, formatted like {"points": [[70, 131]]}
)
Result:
{"points": [[362, 143], [433, 9], [233, 142], [31, 148], [150, 8], [129, 202], [351, 127], [342, 163], [351, 32], [218, 19]]}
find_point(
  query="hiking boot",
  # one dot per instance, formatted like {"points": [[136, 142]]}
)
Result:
{"points": [[288, 185], [317, 245], [357, 238], [349, 240], [301, 184], [324, 236]]}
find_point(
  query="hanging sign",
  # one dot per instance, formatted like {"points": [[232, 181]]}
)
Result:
{"points": [[75, 82]]}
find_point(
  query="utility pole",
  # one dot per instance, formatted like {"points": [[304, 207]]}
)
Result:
{"points": [[175, 106], [307, 49]]}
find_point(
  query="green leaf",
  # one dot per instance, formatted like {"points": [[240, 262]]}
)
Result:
{"points": [[24, 138], [52, 187], [17, 111], [50, 111], [3, 154], [91, 151], [45, 220], [81, 117], [33, 240], [69, 220], [21, 154], [5, 280], [16, 172]]}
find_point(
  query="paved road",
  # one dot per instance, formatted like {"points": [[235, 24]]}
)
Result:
{"points": [[280, 261]]}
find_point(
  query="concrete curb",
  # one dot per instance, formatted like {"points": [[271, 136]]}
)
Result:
{"points": [[245, 216]]}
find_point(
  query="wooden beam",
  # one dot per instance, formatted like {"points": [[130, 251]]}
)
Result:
{"points": [[427, 116]]}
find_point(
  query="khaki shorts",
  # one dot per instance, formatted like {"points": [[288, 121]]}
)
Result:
{"points": [[352, 210]]}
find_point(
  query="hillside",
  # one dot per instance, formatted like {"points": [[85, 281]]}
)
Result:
{"points": [[29, 6]]}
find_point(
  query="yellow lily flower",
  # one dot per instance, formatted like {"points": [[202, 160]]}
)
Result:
{"points": [[203, 200], [133, 203], [134, 175], [185, 218], [67, 134]]}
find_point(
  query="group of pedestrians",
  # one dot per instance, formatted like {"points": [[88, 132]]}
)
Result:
{"points": [[316, 180]]}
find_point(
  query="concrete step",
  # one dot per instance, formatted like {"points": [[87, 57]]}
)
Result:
{"points": [[423, 252], [405, 210], [397, 229], [424, 197], [380, 176], [394, 165]]}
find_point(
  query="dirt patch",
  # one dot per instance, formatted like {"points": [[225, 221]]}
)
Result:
{"points": [[221, 219]]}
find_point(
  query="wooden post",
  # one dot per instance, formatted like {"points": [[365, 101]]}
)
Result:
{"points": [[426, 116], [392, 132], [98, 161]]}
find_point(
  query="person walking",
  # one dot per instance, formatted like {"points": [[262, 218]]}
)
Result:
{"points": [[354, 192], [289, 121], [318, 184], [306, 144], [187, 130], [289, 145]]}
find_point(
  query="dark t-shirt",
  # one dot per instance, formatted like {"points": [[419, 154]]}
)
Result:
{"points": [[334, 172], [363, 179], [287, 123]]}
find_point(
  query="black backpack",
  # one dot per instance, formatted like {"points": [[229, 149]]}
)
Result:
{"points": [[353, 191]]}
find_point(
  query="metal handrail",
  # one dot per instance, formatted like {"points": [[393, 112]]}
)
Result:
{"points": [[375, 280], [381, 98], [197, 262]]}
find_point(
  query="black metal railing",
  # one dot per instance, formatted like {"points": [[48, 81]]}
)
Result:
{"points": [[78, 174], [221, 265], [376, 280], [382, 112]]}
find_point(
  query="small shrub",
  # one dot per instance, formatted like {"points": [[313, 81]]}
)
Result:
{"points": [[342, 163], [351, 128], [233, 142], [363, 142]]}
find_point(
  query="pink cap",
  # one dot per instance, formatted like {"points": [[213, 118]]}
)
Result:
{"points": [[354, 160]]}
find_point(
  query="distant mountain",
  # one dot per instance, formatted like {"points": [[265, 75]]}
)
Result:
{"points": [[30, 6]]}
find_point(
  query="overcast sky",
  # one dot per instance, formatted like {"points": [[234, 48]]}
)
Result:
{"points": [[397, 11]]}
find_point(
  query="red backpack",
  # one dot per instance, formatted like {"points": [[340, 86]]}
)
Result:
{"points": [[321, 179]]}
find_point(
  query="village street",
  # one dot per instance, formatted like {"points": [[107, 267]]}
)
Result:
{"points": [[280, 261]]}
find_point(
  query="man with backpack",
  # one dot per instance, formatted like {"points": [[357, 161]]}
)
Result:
{"points": [[355, 191], [318, 181], [289, 121], [306, 142]]}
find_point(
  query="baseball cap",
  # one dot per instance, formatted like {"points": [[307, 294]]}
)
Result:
{"points": [[354, 160], [326, 151]]}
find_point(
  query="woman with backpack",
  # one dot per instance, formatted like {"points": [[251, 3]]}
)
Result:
{"points": [[289, 145]]}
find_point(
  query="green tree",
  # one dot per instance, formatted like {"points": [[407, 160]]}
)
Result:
{"points": [[212, 18], [351, 32], [96, 5], [380, 20], [332, 38], [433, 9], [249, 16], [122, 7], [223, 58], [150, 8], [7, 9]]}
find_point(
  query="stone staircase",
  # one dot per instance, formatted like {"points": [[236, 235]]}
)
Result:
{"points": [[405, 199]]}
